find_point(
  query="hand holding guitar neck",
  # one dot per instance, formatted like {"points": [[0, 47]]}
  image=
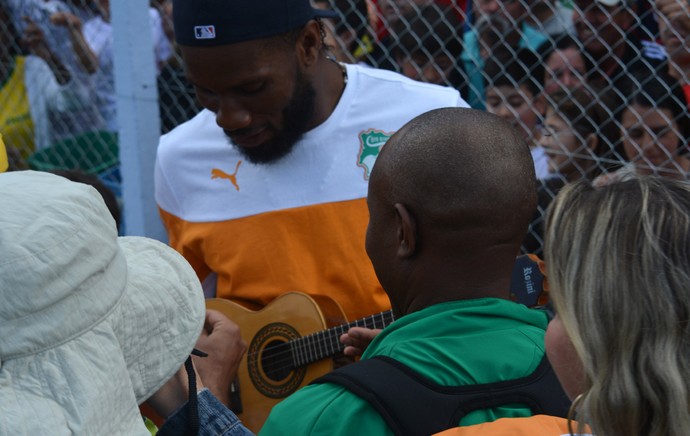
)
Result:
{"points": [[221, 340], [357, 339]]}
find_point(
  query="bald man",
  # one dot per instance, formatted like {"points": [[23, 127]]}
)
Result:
{"points": [[450, 199]]}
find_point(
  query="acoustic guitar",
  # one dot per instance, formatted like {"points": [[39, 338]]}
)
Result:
{"points": [[290, 340], [289, 343]]}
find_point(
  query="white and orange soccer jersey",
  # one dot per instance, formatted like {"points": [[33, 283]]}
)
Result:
{"points": [[297, 224]]}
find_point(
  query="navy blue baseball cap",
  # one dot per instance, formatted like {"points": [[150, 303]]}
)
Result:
{"points": [[221, 22]]}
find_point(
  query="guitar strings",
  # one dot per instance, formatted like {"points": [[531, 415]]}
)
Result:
{"points": [[323, 344], [281, 355]]}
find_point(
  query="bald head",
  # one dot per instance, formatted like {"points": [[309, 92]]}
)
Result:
{"points": [[450, 199], [461, 168]]}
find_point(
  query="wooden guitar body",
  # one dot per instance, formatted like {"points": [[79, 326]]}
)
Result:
{"points": [[291, 339], [269, 373]]}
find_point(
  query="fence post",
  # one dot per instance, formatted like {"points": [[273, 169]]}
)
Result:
{"points": [[138, 115]]}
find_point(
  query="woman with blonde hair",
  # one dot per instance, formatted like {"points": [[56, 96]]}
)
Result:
{"points": [[617, 259]]}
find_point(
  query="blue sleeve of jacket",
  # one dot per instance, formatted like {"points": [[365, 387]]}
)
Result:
{"points": [[214, 419]]}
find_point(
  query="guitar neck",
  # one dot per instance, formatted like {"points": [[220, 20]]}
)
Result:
{"points": [[326, 343]]}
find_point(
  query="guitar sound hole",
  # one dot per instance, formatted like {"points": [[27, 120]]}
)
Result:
{"points": [[276, 360]]}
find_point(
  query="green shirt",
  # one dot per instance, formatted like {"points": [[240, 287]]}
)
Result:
{"points": [[453, 344]]}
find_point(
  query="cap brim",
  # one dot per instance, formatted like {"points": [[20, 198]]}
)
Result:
{"points": [[325, 13]]}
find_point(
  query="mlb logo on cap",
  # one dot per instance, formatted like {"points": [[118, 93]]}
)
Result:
{"points": [[205, 32]]}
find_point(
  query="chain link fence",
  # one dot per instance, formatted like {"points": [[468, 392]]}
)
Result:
{"points": [[588, 85]]}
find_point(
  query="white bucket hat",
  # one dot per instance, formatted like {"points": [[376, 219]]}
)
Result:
{"points": [[91, 324]]}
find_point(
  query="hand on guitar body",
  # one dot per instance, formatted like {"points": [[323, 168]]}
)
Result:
{"points": [[357, 339], [221, 340]]}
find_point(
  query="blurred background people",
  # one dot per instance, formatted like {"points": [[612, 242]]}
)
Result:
{"points": [[654, 129], [577, 135], [615, 43], [565, 65], [350, 37], [673, 17], [64, 39], [36, 87], [513, 92], [91, 44], [99, 36], [429, 45], [507, 17]]}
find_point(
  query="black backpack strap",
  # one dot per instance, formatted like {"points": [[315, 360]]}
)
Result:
{"points": [[413, 405]]}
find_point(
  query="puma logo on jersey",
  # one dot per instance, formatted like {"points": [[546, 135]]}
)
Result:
{"points": [[220, 174], [370, 143]]}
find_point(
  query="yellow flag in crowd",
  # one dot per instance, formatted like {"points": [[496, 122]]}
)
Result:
{"points": [[3, 156]]}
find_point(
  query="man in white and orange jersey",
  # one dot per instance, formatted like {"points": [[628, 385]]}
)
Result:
{"points": [[264, 191]]}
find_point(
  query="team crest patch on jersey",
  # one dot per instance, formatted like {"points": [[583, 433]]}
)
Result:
{"points": [[370, 143], [205, 32]]}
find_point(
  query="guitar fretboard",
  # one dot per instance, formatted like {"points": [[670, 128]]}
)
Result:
{"points": [[326, 343]]}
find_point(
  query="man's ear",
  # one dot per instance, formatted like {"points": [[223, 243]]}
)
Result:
{"points": [[407, 231], [309, 44]]}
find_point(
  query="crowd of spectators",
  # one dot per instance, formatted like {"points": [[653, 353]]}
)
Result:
{"points": [[596, 87], [525, 60]]}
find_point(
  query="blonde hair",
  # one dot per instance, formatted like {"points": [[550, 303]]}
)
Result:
{"points": [[618, 260]]}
